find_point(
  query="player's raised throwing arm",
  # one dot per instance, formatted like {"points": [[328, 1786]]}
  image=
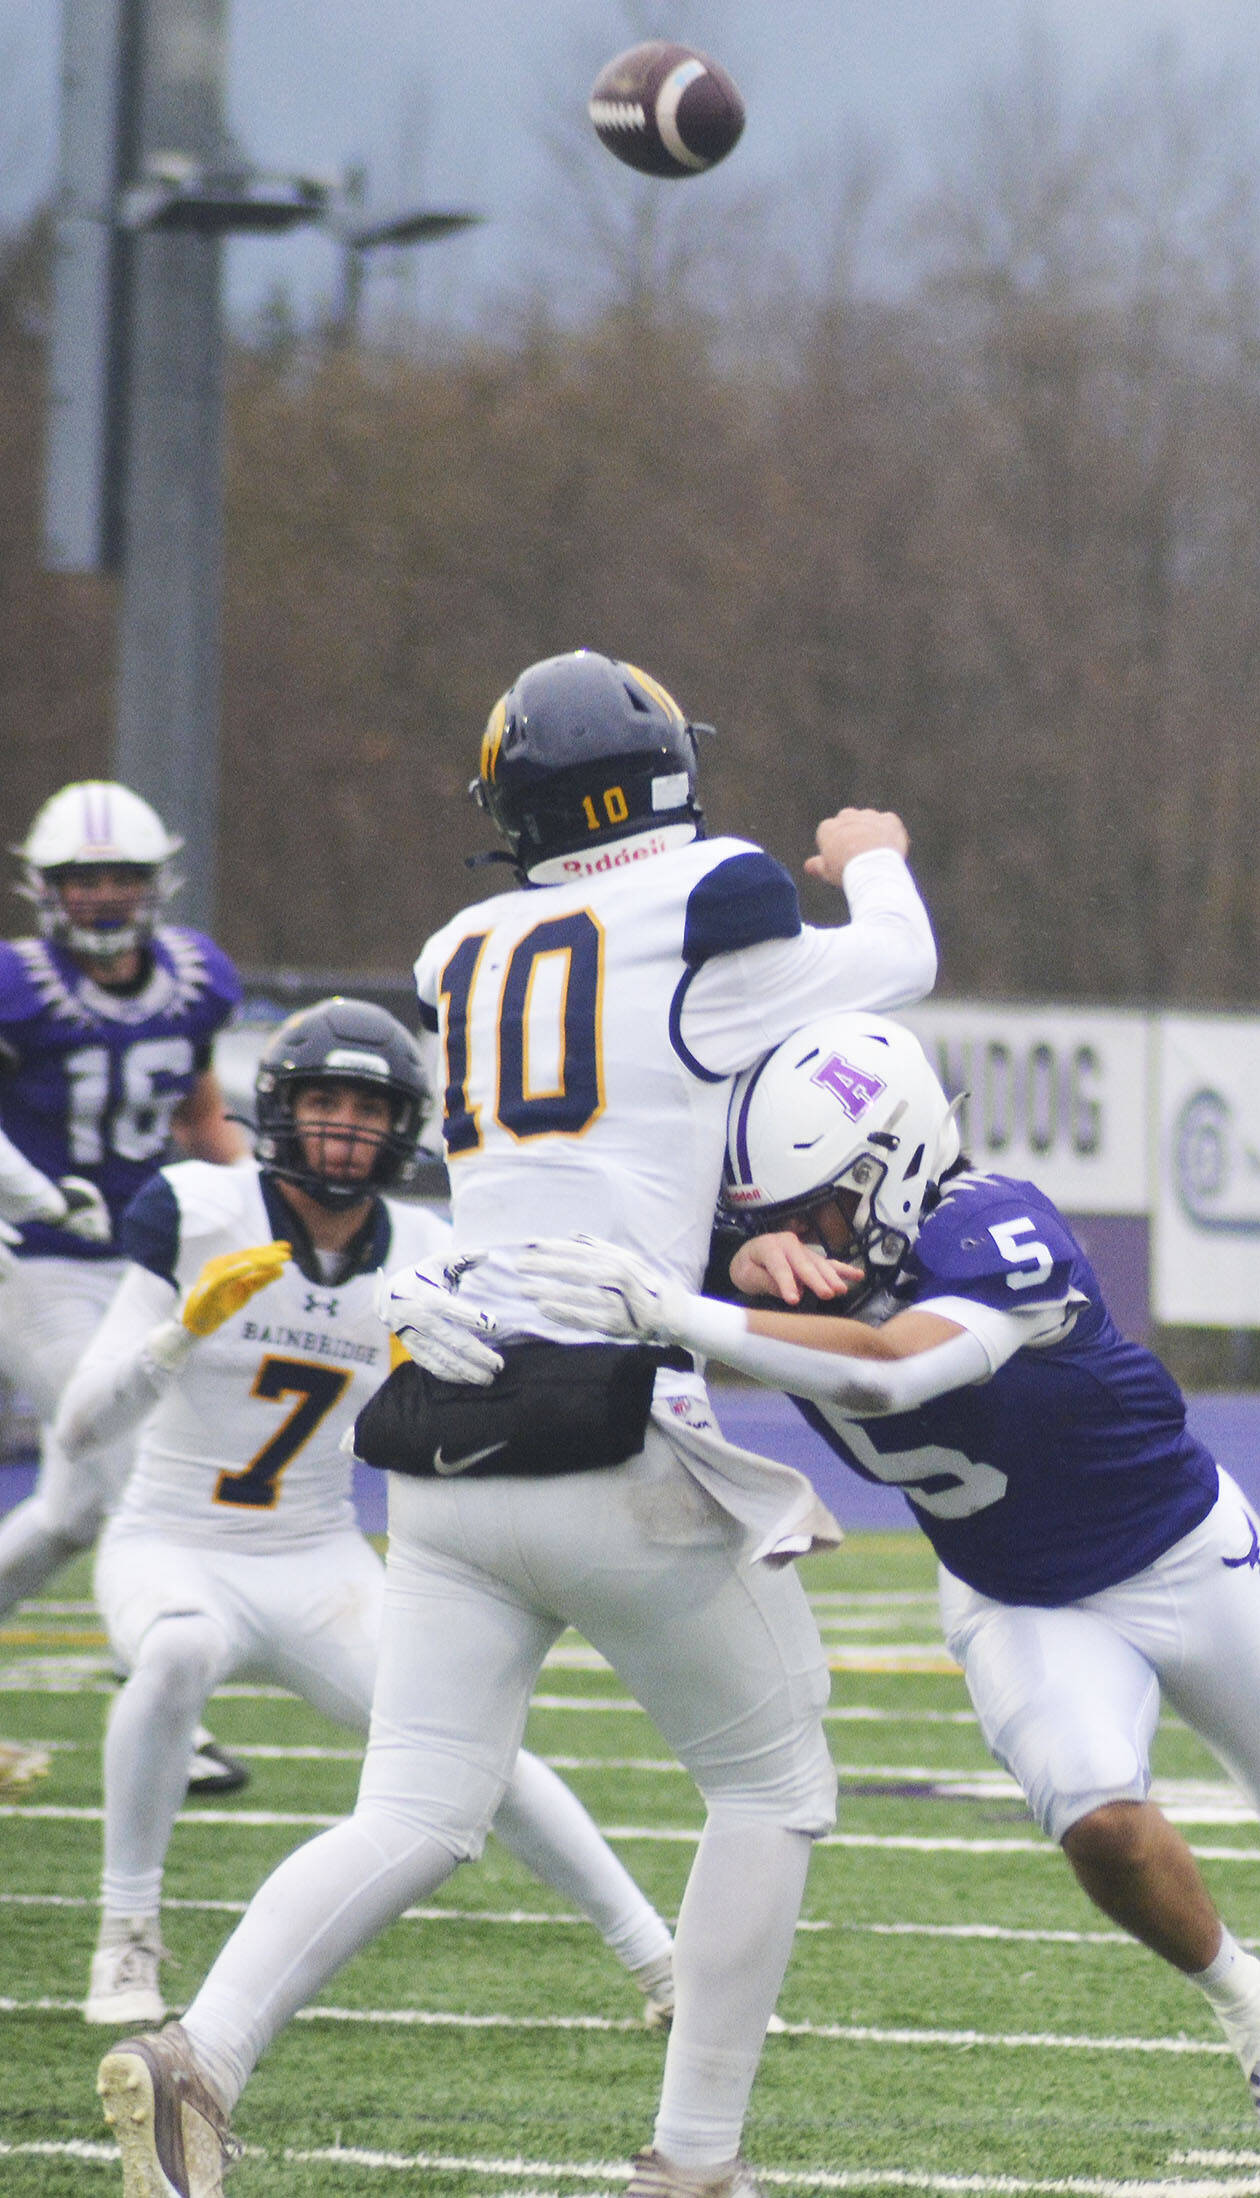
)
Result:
{"points": [[733, 1006]]}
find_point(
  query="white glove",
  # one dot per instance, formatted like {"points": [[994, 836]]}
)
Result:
{"points": [[585, 1283], [86, 1214], [8, 1237], [441, 1331]]}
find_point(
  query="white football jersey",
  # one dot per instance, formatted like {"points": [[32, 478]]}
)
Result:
{"points": [[245, 1442], [590, 1030]]}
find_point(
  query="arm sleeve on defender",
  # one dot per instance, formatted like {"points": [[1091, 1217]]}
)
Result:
{"points": [[866, 1388], [130, 1363], [872, 1388], [1001, 1332], [738, 1005]]}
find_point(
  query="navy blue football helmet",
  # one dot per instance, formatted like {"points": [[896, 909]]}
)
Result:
{"points": [[340, 1041], [581, 750]]}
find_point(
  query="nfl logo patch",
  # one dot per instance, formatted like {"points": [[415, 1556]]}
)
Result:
{"points": [[691, 1412]]}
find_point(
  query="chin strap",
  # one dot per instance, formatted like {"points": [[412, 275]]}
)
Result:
{"points": [[492, 854]]}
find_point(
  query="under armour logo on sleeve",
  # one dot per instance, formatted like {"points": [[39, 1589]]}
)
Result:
{"points": [[1252, 1557]]}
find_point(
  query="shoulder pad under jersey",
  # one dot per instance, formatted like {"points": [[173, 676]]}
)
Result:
{"points": [[205, 973], [743, 901], [148, 1231], [21, 996], [995, 1239]]}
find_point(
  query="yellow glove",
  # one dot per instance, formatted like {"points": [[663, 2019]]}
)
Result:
{"points": [[228, 1282]]}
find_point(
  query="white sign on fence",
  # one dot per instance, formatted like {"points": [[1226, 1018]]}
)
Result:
{"points": [[1057, 1094], [1205, 1268]]}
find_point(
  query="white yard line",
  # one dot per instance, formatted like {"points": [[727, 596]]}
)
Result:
{"points": [[420, 2018], [648, 1834], [540, 2178], [535, 1918]]}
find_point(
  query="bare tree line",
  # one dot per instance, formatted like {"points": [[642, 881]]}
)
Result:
{"points": [[977, 541]]}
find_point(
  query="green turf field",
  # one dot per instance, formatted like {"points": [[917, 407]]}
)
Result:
{"points": [[957, 2018]]}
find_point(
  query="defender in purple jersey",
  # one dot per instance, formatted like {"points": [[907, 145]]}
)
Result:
{"points": [[1092, 1553], [107, 1021]]}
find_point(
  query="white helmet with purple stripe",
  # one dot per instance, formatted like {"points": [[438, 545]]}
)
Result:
{"points": [[846, 1109], [92, 825]]}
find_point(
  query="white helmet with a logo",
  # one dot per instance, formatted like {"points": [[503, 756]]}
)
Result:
{"points": [[847, 1108], [91, 823]]}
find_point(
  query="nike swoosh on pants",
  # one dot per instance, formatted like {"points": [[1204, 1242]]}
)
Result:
{"points": [[460, 1465]]}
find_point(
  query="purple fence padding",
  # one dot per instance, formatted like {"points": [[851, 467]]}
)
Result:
{"points": [[759, 1419], [17, 1479], [1118, 1246], [1229, 1425]]}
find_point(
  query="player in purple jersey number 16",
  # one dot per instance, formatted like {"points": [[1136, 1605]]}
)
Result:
{"points": [[107, 1020], [1092, 1553]]}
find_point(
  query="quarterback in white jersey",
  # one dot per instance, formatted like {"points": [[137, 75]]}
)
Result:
{"points": [[245, 1333], [591, 1023], [590, 1032]]}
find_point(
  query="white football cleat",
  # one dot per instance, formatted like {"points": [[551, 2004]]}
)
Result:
{"points": [[653, 2176], [1248, 2052], [1242, 2028], [173, 2134], [123, 1988]]}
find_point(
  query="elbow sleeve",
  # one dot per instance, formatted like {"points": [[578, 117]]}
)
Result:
{"points": [[862, 1388]]}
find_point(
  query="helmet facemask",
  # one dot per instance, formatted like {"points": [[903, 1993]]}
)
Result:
{"points": [[111, 935], [95, 826], [285, 1146], [870, 1242], [353, 1044]]}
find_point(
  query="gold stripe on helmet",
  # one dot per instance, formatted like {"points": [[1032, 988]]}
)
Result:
{"points": [[492, 738], [658, 693]]}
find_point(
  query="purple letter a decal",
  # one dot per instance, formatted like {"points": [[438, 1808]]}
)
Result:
{"points": [[855, 1088]]}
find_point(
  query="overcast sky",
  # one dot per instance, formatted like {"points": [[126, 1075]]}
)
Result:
{"points": [[442, 99]]}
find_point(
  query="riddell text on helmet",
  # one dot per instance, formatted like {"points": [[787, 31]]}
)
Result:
{"points": [[578, 866]]}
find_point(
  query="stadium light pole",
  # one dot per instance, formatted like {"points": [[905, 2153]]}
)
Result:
{"points": [[150, 186], [359, 236]]}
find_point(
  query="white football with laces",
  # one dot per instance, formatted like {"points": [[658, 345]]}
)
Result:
{"points": [[666, 110]]}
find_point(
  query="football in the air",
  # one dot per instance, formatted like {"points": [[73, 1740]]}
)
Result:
{"points": [[666, 110]]}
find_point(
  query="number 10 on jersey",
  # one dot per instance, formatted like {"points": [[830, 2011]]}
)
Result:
{"points": [[547, 1078]]}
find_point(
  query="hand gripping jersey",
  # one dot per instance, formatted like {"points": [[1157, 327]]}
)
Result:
{"points": [[245, 1443], [1069, 1469], [89, 1078], [590, 1030]]}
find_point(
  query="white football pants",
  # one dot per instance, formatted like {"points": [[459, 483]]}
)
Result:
{"points": [[482, 1578], [186, 1616], [1068, 1698]]}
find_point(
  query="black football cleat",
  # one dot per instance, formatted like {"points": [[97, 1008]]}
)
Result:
{"points": [[211, 1769]]}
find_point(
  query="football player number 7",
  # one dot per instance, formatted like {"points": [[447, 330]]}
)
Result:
{"points": [[257, 1486], [548, 1048]]}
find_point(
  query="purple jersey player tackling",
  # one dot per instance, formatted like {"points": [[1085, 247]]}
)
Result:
{"points": [[1092, 1553], [106, 1026]]}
